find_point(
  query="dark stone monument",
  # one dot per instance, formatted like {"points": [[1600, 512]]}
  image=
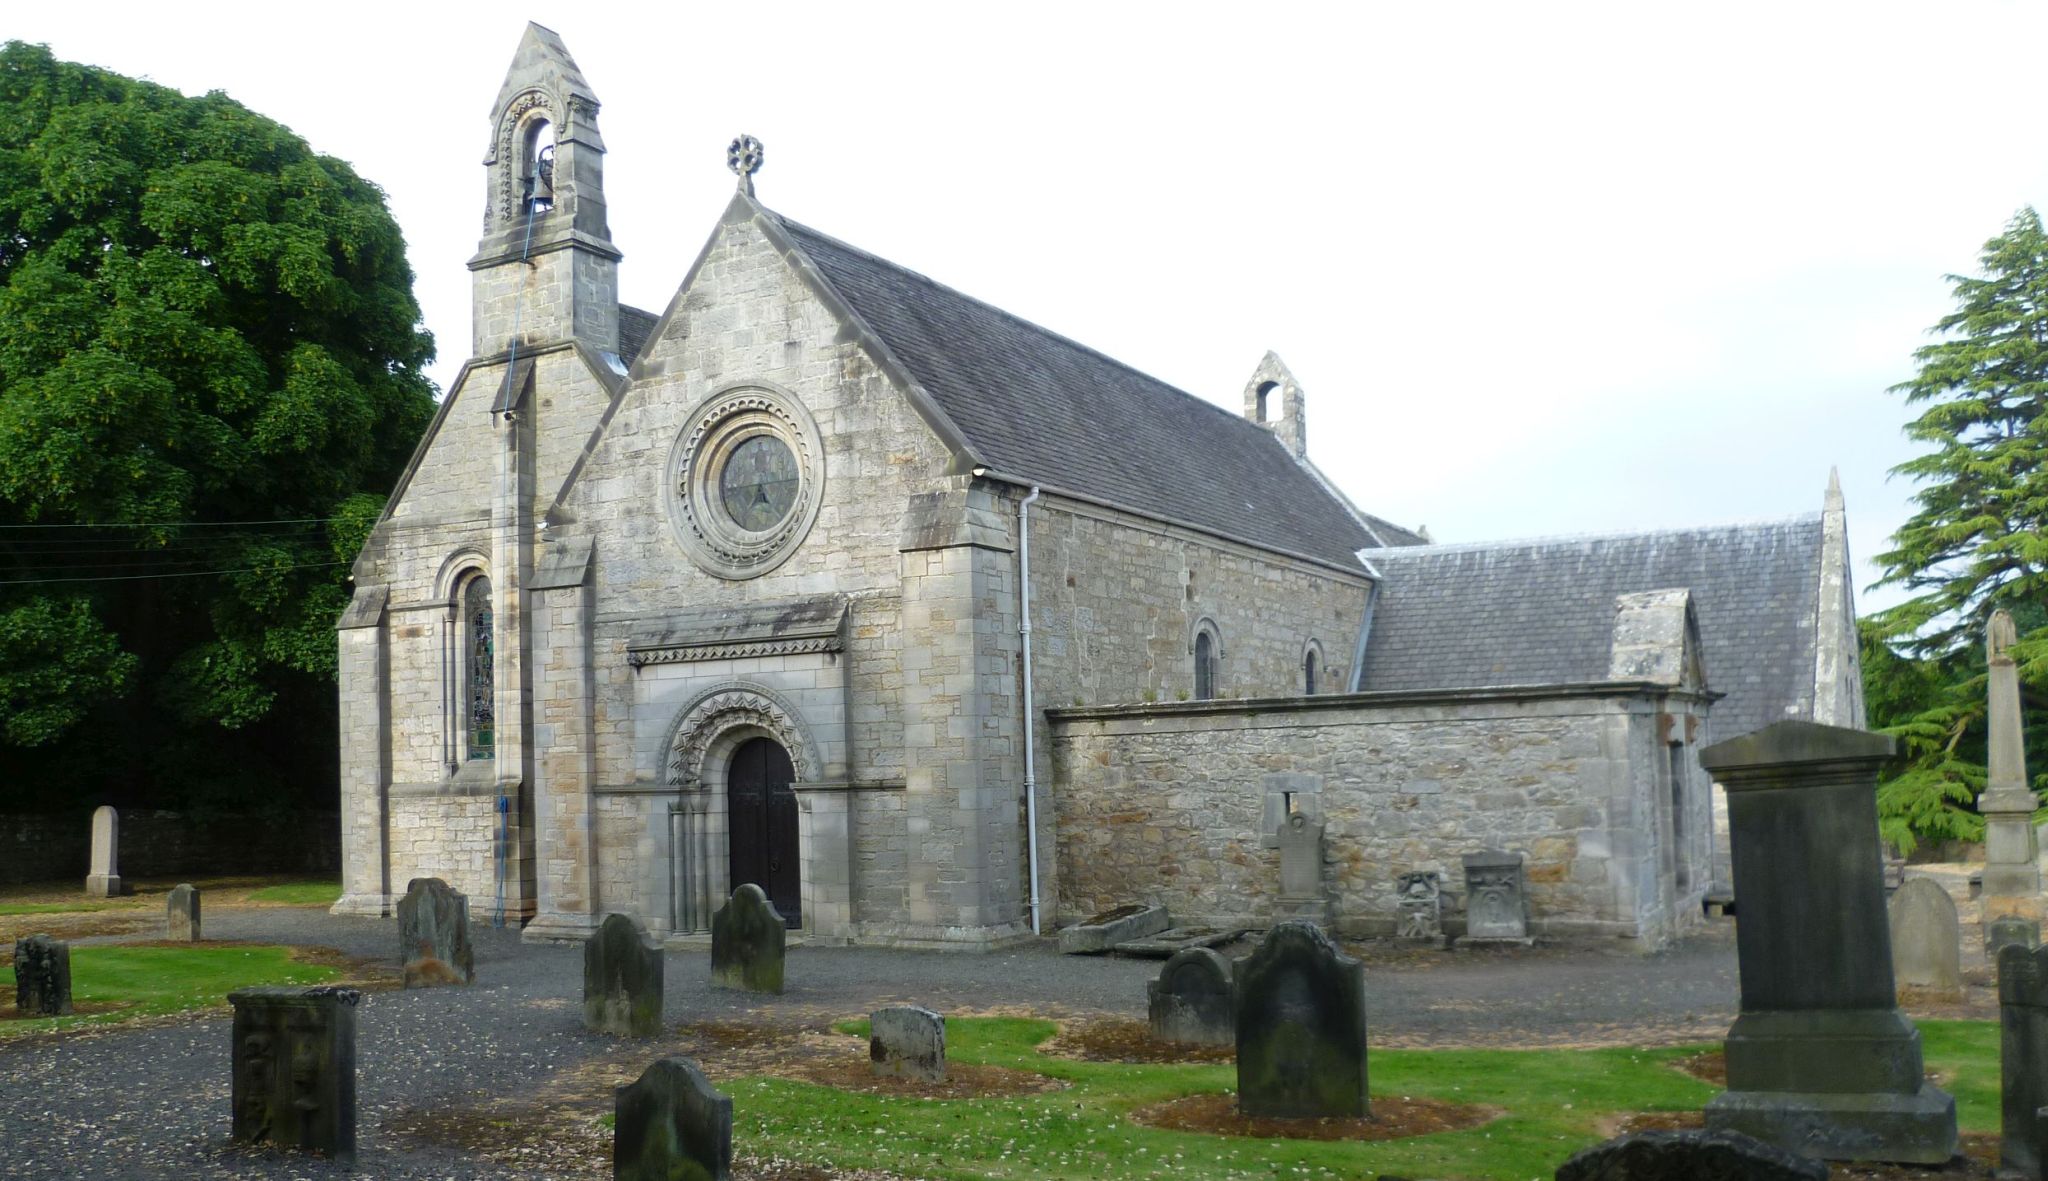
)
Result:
{"points": [[295, 1068], [1496, 906], [42, 976], [2010, 931], [433, 934], [1820, 1060], [1192, 1000], [181, 914], [747, 942], [671, 1125], [2023, 1058], [622, 980], [1300, 1027], [907, 1042], [1689, 1156], [1420, 896]]}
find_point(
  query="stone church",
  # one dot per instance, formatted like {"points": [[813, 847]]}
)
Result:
{"points": [[941, 628]]}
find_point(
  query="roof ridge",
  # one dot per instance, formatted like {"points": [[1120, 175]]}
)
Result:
{"points": [[1556, 539]]}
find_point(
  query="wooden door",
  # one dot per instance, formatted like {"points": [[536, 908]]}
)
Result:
{"points": [[762, 809]]}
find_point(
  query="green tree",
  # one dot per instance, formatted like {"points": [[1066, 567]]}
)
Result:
{"points": [[1977, 542], [210, 376]]}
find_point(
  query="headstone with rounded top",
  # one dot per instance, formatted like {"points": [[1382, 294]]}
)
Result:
{"points": [[181, 914], [295, 1068], [1192, 1000], [622, 980], [1689, 1156], [747, 941], [2023, 1058], [905, 1041], [1300, 1028], [433, 934], [670, 1124], [1927, 937], [105, 879], [42, 976], [2010, 931]]}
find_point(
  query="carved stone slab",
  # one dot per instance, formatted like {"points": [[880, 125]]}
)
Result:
{"points": [[671, 1124], [42, 976], [622, 980], [1193, 1000], [1927, 937], [181, 914], [1420, 898], [295, 1068], [105, 879], [1496, 905], [747, 942], [907, 1042], [1099, 933], [1300, 1027], [1689, 1156], [433, 934]]}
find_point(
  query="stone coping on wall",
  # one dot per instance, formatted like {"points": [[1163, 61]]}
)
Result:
{"points": [[1322, 702]]}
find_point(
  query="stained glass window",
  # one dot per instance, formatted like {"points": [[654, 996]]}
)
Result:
{"points": [[759, 483], [476, 614], [1308, 668]]}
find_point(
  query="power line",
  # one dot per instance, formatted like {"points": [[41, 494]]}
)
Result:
{"points": [[178, 524], [180, 574]]}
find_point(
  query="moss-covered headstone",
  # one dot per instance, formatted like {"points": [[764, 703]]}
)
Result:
{"points": [[1300, 1027], [295, 1068], [1689, 1156], [622, 980], [42, 976], [671, 1126], [905, 1041], [181, 914], [433, 934], [747, 938], [1192, 1000]]}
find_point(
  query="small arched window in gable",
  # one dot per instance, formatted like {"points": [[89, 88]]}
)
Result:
{"points": [[537, 166], [1265, 393], [1308, 672], [480, 668], [1207, 652]]}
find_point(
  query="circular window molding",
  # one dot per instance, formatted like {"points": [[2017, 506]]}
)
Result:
{"points": [[745, 526]]}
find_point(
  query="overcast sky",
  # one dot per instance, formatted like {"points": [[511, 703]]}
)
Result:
{"points": [[1541, 268]]}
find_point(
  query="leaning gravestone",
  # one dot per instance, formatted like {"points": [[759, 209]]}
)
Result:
{"points": [[1192, 999], [1927, 938], [181, 914], [622, 980], [295, 1068], [907, 1042], [1496, 905], [42, 976], [747, 937], [1300, 1028], [671, 1124], [105, 879], [1689, 1156], [2023, 1058], [2010, 931], [433, 934]]}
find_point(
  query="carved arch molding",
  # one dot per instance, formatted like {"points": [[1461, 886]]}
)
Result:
{"points": [[723, 708]]}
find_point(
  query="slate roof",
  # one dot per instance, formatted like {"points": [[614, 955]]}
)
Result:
{"points": [[634, 325], [1034, 405], [1542, 612]]}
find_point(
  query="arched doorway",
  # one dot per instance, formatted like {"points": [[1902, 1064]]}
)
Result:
{"points": [[761, 809]]}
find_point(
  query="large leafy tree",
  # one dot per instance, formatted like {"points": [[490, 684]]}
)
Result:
{"points": [[210, 375], [1977, 542]]}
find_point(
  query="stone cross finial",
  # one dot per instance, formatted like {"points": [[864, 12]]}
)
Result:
{"points": [[744, 156], [1999, 638]]}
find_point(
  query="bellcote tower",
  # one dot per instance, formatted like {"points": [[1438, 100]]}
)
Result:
{"points": [[546, 270]]}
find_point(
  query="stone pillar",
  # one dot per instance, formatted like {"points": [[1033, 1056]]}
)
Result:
{"points": [[2012, 871], [825, 844], [1820, 1061], [511, 571], [105, 879], [365, 716], [566, 760], [295, 1068], [181, 914]]}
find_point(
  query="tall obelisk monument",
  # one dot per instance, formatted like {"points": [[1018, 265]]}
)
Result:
{"points": [[2012, 871]]}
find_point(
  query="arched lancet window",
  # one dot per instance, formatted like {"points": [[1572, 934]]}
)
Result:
{"points": [[479, 672], [1266, 390], [1308, 672], [1205, 666]]}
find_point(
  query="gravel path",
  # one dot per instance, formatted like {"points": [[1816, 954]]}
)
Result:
{"points": [[146, 1103]]}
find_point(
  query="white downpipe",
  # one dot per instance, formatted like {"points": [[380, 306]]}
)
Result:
{"points": [[1030, 727]]}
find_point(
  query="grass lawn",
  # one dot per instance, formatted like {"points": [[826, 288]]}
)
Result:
{"points": [[84, 904], [152, 980], [316, 893], [1552, 1100]]}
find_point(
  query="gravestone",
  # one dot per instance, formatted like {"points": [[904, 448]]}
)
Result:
{"points": [[622, 980], [2023, 1058], [1300, 1015], [1927, 937], [42, 976], [1098, 933], [295, 1068], [747, 942], [1192, 1001], [907, 1042], [181, 914], [105, 879], [1420, 898], [1302, 895], [1496, 906], [2010, 931], [1820, 1061], [1689, 1156], [671, 1124], [2012, 870], [433, 934]]}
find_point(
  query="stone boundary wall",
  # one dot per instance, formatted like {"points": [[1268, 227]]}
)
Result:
{"points": [[1175, 804], [57, 846]]}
